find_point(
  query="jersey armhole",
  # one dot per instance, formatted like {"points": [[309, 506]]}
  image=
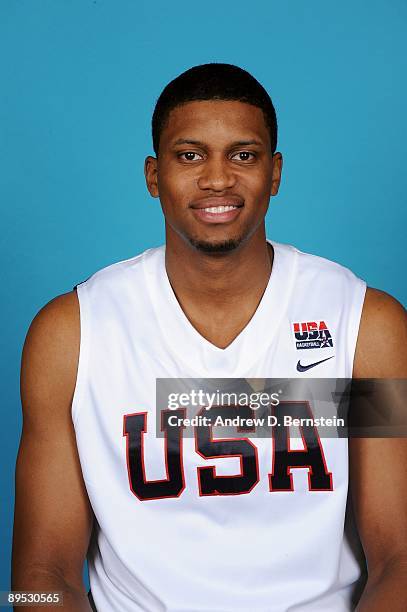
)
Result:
{"points": [[354, 321], [81, 375]]}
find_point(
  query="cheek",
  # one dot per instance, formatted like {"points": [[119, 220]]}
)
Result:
{"points": [[175, 196], [175, 185], [258, 187]]}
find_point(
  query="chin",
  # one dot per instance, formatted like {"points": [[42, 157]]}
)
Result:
{"points": [[215, 246]]}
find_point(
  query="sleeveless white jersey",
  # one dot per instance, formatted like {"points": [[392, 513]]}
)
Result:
{"points": [[185, 548]]}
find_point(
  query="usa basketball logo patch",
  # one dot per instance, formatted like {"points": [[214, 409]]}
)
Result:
{"points": [[312, 334]]}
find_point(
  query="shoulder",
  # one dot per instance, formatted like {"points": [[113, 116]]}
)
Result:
{"points": [[323, 286], [58, 320], [381, 349], [115, 274], [311, 264], [380, 305], [50, 354]]}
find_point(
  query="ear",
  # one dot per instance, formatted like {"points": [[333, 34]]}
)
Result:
{"points": [[277, 169], [150, 172]]}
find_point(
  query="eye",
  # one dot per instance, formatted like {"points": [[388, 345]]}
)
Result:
{"points": [[189, 156], [244, 156]]}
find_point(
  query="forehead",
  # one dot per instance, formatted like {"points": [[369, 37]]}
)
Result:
{"points": [[215, 120]]}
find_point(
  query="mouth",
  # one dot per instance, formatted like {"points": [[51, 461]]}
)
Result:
{"points": [[218, 210]]}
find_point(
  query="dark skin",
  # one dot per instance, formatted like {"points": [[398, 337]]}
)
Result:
{"points": [[209, 286], [219, 292]]}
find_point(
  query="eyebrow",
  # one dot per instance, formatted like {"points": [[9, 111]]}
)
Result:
{"points": [[237, 143]]}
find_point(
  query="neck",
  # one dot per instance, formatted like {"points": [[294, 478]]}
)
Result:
{"points": [[218, 278]]}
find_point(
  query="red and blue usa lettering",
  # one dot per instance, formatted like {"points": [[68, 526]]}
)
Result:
{"points": [[312, 334]]}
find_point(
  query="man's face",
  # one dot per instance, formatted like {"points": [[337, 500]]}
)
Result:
{"points": [[214, 154]]}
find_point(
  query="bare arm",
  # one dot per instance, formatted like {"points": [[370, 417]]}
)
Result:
{"points": [[53, 518], [378, 465]]}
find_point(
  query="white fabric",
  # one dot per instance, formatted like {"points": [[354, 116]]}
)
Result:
{"points": [[280, 551]]}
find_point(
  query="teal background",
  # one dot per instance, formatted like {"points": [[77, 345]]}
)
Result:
{"points": [[79, 80]]}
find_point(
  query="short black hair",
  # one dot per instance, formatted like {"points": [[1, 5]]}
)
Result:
{"points": [[214, 81]]}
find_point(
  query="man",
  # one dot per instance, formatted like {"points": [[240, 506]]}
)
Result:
{"points": [[172, 523]]}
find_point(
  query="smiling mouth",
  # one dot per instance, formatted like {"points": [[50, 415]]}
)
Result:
{"points": [[217, 210], [217, 215]]}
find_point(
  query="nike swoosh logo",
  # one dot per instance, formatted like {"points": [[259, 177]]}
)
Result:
{"points": [[304, 368]]}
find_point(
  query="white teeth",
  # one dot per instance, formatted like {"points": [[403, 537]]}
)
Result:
{"points": [[219, 209]]}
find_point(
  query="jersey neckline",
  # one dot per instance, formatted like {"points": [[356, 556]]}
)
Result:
{"points": [[196, 353]]}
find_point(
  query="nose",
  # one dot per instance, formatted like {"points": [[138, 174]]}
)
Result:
{"points": [[216, 175]]}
